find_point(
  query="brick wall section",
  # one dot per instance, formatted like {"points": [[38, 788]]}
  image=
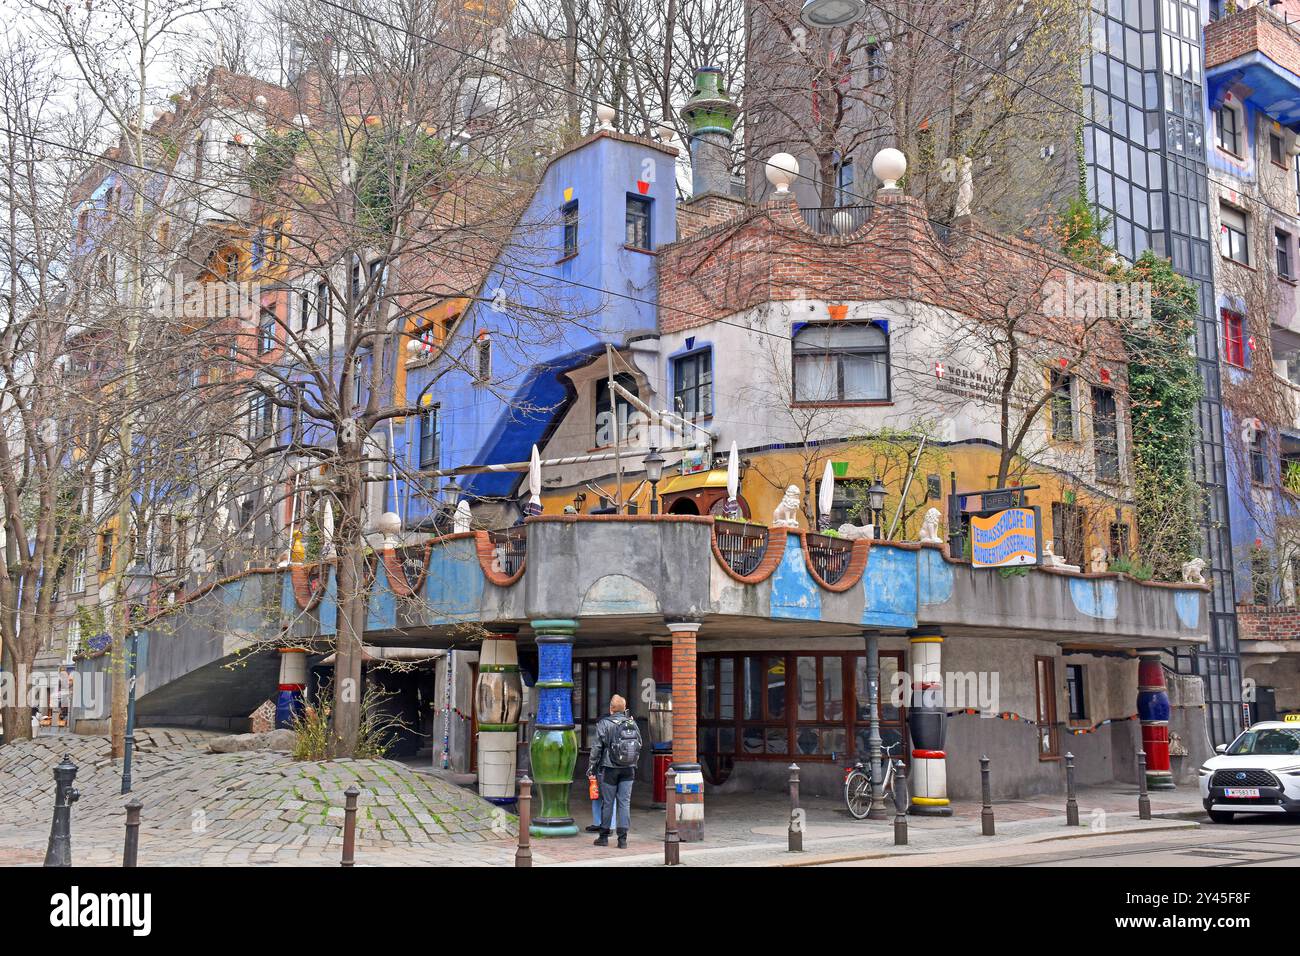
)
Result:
{"points": [[768, 254], [685, 734], [1248, 30], [1265, 623], [697, 215]]}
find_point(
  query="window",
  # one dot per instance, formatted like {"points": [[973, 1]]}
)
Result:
{"points": [[595, 681], [429, 438], [848, 501], [846, 362], [259, 249], [261, 417], [1234, 338], [1261, 577], [1045, 692], [1232, 235], [200, 149], [1282, 244], [1062, 405], [304, 310], [1276, 150], [1227, 129], [569, 216], [1259, 458], [105, 550], [1296, 165], [1067, 526], [638, 223], [182, 542], [322, 303], [1119, 536], [875, 64], [266, 331], [844, 195], [693, 385], [483, 358], [605, 429], [79, 571], [231, 263], [1105, 434], [1075, 692]]}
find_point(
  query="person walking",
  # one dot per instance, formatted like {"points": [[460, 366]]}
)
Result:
{"points": [[614, 756]]}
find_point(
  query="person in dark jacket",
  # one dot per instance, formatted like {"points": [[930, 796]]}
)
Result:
{"points": [[614, 756]]}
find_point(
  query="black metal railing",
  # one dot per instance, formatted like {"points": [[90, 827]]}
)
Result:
{"points": [[413, 564], [509, 548], [741, 545], [829, 556], [834, 220]]}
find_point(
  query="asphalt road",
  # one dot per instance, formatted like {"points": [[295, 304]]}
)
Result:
{"points": [[1263, 841]]}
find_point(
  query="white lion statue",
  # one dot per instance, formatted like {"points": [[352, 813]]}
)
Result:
{"points": [[1099, 563], [786, 514], [1192, 571], [930, 527]]}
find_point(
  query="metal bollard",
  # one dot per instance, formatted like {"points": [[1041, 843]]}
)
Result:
{"points": [[672, 840], [1071, 802], [524, 854], [795, 835], [986, 790], [131, 848], [1144, 801], [59, 851], [900, 804], [350, 826]]}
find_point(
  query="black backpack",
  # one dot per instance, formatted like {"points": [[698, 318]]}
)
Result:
{"points": [[625, 742]]}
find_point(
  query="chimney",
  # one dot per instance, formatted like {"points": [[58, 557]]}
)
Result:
{"points": [[710, 118]]}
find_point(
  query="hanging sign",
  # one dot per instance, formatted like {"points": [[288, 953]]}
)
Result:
{"points": [[1005, 538]]}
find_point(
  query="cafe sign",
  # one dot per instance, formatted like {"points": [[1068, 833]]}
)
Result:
{"points": [[1006, 538]]}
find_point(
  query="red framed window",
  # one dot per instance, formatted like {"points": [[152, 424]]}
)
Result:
{"points": [[1234, 338]]}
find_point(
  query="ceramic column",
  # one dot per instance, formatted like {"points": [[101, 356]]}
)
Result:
{"points": [[554, 748], [498, 699], [928, 779], [293, 684], [1153, 712], [690, 776]]}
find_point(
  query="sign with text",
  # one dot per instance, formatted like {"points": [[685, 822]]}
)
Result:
{"points": [[1005, 538]]}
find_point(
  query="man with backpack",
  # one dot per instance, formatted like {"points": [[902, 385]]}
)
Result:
{"points": [[614, 757]]}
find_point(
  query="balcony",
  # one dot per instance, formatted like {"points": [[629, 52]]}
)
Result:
{"points": [[1255, 53], [619, 575]]}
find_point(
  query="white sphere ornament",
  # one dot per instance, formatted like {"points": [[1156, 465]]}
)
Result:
{"points": [[781, 170], [889, 166], [389, 524], [605, 115]]}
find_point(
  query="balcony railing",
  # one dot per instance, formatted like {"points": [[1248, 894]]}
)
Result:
{"points": [[829, 556], [509, 548], [741, 545], [834, 220]]}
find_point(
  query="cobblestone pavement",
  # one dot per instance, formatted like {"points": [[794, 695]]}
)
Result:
{"points": [[265, 809], [240, 808]]}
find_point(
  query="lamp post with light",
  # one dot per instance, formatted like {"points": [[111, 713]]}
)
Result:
{"points": [[876, 505], [654, 471], [139, 583]]}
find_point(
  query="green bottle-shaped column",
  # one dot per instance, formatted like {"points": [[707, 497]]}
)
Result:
{"points": [[554, 747]]}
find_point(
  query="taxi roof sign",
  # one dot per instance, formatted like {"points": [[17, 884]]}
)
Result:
{"points": [[1291, 718]]}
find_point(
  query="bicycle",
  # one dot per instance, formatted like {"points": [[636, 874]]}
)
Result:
{"points": [[857, 783]]}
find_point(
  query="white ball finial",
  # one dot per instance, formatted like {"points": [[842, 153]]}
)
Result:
{"points": [[605, 115], [302, 121], [260, 102], [889, 166], [389, 524], [781, 170]]}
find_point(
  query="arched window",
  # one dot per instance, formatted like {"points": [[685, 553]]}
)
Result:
{"points": [[845, 362]]}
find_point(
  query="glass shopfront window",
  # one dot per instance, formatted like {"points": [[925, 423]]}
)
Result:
{"points": [[811, 706]]}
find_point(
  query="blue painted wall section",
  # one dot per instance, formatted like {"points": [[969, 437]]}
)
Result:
{"points": [[381, 609], [1099, 599], [890, 587], [934, 578], [454, 587], [794, 593], [1188, 607]]}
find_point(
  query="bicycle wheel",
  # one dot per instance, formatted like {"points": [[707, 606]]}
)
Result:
{"points": [[857, 794]]}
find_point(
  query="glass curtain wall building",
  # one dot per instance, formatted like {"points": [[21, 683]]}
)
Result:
{"points": [[1145, 168]]}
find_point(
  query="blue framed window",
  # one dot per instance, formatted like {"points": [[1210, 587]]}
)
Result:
{"points": [[693, 384], [638, 222], [569, 217], [429, 438], [266, 341]]}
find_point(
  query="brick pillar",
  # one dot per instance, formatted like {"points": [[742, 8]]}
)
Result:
{"points": [[690, 778]]}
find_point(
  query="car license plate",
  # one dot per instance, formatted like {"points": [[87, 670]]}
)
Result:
{"points": [[1241, 791]]}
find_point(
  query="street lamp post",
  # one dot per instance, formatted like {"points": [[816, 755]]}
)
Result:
{"points": [[825, 14], [654, 471], [139, 582], [876, 505]]}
